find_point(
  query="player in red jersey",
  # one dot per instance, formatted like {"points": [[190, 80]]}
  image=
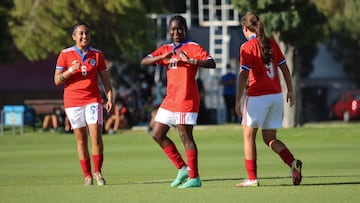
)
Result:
{"points": [[77, 68], [180, 107], [260, 58]]}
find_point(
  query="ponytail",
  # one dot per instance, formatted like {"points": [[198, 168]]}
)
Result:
{"points": [[253, 23]]}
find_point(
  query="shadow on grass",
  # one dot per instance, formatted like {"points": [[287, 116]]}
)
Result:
{"points": [[330, 181]]}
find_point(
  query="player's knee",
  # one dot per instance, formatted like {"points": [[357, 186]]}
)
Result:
{"points": [[270, 143]]}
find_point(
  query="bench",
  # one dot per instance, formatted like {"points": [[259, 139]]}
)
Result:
{"points": [[44, 106]]}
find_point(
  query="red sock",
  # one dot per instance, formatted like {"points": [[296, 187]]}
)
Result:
{"points": [[86, 167], [192, 160], [251, 169], [286, 156], [174, 156], [98, 161]]}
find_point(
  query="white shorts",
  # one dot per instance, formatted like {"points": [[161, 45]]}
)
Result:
{"points": [[264, 111], [81, 116], [175, 118]]}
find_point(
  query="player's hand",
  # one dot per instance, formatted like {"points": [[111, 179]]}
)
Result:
{"points": [[167, 55], [238, 108], [109, 106], [75, 66], [290, 98], [183, 56]]}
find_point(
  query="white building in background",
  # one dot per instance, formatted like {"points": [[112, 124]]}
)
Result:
{"points": [[323, 85]]}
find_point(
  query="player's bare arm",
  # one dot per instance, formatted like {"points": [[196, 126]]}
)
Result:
{"points": [[61, 76], [290, 97], [242, 80], [151, 60], [209, 63], [105, 78]]}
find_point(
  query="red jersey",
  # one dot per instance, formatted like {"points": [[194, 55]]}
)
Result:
{"points": [[82, 87], [263, 79], [182, 94]]}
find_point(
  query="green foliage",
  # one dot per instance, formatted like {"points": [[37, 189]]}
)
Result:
{"points": [[295, 20], [298, 23], [119, 28], [344, 20], [6, 43]]}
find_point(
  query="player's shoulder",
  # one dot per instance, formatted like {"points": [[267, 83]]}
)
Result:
{"points": [[95, 50], [165, 46], [250, 42], [192, 43], [274, 43], [67, 50], [249, 45]]}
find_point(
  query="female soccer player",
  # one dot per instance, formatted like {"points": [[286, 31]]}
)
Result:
{"points": [[78, 67], [259, 58], [180, 107]]}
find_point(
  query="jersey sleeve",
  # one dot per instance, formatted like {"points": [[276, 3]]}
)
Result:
{"points": [[60, 63], [102, 64], [200, 53], [246, 59], [157, 52], [277, 53]]}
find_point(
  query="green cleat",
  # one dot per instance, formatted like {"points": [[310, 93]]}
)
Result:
{"points": [[192, 182], [182, 175]]}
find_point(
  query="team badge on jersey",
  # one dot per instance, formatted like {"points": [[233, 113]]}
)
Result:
{"points": [[92, 62]]}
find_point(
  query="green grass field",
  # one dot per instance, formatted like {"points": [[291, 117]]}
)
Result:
{"points": [[43, 167]]}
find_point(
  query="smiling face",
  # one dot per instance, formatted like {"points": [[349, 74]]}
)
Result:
{"points": [[177, 31], [81, 36]]}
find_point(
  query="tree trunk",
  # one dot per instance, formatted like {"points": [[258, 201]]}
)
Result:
{"points": [[291, 116]]}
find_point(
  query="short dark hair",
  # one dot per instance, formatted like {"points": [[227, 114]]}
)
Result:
{"points": [[76, 25], [181, 20]]}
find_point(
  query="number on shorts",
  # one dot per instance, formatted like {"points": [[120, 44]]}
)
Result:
{"points": [[93, 109]]}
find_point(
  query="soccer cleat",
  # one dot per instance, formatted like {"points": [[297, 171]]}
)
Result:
{"points": [[99, 179], [248, 183], [192, 182], [182, 175], [296, 171], [88, 181]]}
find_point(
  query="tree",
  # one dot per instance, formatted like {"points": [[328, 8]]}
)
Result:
{"points": [[6, 43], [46, 26], [344, 24], [296, 25]]}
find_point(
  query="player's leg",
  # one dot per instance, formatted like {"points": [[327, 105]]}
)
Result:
{"points": [[76, 117], [250, 156], [97, 147], [186, 135], [274, 121], [269, 137], [94, 120], [83, 153], [162, 122]]}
